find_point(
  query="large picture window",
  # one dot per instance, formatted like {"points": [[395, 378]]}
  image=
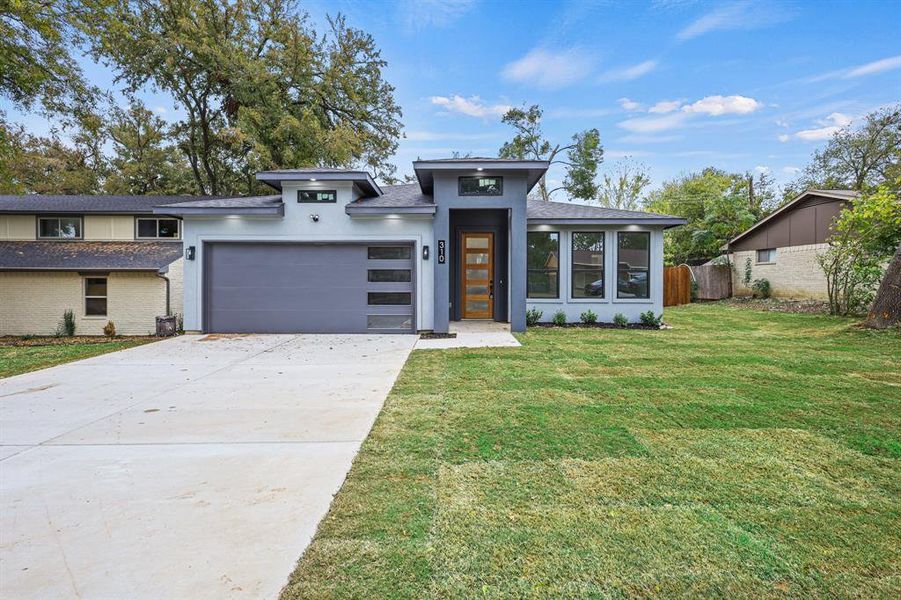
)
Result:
{"points": [[543, 263], [588, 265], [95, 296], [481, 186], [633, 262], [153, 229], [59, 227]]}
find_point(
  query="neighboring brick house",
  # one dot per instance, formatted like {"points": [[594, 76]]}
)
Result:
{"points": [[783, 247], [107, 258]]}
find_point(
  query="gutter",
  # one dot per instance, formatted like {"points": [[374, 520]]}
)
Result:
{"points": [[161, 275]]}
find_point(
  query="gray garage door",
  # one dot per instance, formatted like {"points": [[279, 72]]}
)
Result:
{"points": [[308, 288]]}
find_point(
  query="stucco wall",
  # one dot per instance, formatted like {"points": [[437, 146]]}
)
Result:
{"points": [[17, 227], [795, 274], [334, 225], [607, 307], [33, 303]]}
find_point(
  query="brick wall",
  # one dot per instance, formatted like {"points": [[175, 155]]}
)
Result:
{"points": [[795, 274], [33, 303]]}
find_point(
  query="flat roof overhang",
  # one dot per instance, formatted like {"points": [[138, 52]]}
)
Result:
{"points": [[387, 210], [425, 169], [362, 180], [259, 211], [667, 223]]}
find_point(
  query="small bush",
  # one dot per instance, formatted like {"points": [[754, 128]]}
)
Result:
{"points": [[620, 320], [559, 318], [746, 279], [650, 319], [588, 317], [533, 315], [109, 330], [66, 327], [180, 322], [761, 288]]}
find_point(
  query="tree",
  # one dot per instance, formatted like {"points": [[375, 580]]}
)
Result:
{"points": [[583, 155], [856, 157], [865, 236], [259, 87], [37, 39], [886, 309], [47, 165], [715, 204], [143, 160], [623, 186]]}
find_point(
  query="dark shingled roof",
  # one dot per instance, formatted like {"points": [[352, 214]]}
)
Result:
{"points": [[396, 196], [239, 202], [37, 203], [565, 211], [87, 256]]}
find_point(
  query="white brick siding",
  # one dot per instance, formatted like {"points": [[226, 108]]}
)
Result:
{"points": [[33, 303], [795, 274]]}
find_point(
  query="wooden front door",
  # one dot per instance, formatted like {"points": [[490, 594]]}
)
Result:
{"points": [[478, 275]]}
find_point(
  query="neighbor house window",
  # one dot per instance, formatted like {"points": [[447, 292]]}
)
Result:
{"points": [[766, 256], [633, 262], [543, 263], [59, 227], [95, 296], [588, 265], [481, 186], [317, 196], [153, 229]]}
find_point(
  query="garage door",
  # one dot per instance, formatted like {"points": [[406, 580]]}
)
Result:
{"points": [[308, 288]]}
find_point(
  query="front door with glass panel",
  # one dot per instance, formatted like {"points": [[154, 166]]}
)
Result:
{"points": [[478, 275]]}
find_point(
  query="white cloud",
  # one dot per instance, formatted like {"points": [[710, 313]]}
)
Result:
{"points": [[421, 14], [472, 106], [761, 169], [578, 113], [549, 69], [781, 123], [828, 127], [870, 68], [432, 136], [742, 15], [629, 73], [665, 106], [649, 139], [654, 124], [723, 105], [160, 110], [630, 105], [790, 170]]}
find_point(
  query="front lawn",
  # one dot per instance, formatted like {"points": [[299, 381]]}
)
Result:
{"points": [[740, 454], [20, 355]]}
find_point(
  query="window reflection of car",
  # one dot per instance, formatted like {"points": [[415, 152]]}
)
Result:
{"points": [[631, 280], [595, 288]]}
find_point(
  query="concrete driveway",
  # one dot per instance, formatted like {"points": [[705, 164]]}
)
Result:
{"points": [[196, 467]]}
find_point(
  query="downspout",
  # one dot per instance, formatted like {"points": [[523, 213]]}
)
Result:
{"points": [[161, 275]]}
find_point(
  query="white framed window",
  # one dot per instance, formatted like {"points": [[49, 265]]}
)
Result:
{"points": [[63, 228], [95, 298], [767, 255], [152, 228]]}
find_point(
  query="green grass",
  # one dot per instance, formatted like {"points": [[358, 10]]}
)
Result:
{"points": [[17, 359], [741, 454]]}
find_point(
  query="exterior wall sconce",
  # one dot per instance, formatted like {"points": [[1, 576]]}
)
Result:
{"points": [[425, 253], [314, 218], [189, 253]]}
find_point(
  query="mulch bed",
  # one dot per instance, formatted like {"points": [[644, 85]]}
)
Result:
{"points": [[49, 340], [601, 326], [785, 305], [437, 336]]}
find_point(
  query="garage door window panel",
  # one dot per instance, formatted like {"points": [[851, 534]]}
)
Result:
{"points": [[398, 322], [390, 298], [389, 275], [390, 252]]}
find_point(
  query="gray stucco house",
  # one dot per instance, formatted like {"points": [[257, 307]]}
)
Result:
{"points": [[333, 251]]}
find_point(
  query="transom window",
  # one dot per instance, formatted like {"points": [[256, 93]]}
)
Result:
{"points": [[59, 227], [543, 263], [588, 265], [481, 186], [151, 228], [767, 255], [95, 296], [633, 260], [317, 196]]}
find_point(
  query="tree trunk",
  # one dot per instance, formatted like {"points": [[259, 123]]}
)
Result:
{"points": [[886, 310]]}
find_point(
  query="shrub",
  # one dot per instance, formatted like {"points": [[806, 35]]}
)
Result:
{"points": [[180, 322], [533, 315], [746, 279], [761, 288], [620, 320], [589, 317], [559, 318], [649, 318], [109, 330], [66, 326]]}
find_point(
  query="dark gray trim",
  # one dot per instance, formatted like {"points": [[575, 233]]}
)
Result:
{"points": [[350, 209], [460, 192], [667, 223], [361, 179], [157, 219], [302, 192], [533, 169], [557, 297], [495, 221], [616, 265], [572, 264]]}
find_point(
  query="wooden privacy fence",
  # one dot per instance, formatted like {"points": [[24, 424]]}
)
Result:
{"points": [[676, 285], [714, 281]]}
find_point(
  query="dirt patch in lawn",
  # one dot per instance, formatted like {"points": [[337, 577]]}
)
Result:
{"points": [[785, 305]]}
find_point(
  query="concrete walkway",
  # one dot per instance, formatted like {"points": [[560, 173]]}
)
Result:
{"points": [[473, 334], [196, 467]]}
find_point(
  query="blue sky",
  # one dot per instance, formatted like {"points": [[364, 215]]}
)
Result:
{"points": [[675, 84]]}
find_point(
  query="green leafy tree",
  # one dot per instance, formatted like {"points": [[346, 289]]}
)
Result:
{"points": [[581, 157], [143, 160], [715, 204], [260, 88], [623, 186]]}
